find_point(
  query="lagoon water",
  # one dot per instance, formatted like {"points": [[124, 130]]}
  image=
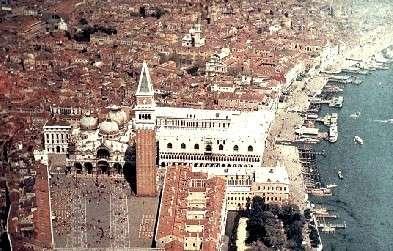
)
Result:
{"points": [[364, 198]]}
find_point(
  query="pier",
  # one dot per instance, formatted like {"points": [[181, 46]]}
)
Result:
{"points": [[331, 89], [334, 102], [323, 213], [309, 164], [329, 119]]}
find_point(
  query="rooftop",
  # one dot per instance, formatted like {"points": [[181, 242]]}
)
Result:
{"points": [[190, 200]]}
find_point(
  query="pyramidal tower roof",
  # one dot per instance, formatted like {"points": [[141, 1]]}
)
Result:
{"points": [[145, 86]]}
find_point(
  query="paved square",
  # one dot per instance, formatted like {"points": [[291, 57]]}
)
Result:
{"points": [[100, 212]]}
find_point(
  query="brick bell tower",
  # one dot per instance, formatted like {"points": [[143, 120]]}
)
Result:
{"points": [[144, 126]]}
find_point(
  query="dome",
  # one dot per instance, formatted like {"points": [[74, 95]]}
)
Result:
{"points": [[118, 115], [109, 128], [88, 122]]}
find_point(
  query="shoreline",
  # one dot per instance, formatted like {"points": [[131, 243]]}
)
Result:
{"points": [[283, 127]]}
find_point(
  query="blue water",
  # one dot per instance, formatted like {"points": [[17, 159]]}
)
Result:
{"points": [[364, 199]]}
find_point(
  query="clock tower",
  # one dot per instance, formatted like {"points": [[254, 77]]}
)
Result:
{"points": [[144, 125]]}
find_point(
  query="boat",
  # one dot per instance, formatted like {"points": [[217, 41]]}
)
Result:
{"points": [[358, 140], [331, 186], [333, 133], [323, 191], [328, 229], [355, 115], [336, 102], [357, 81], [340, 175]]}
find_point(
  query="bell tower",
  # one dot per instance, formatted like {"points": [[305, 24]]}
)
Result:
{"points": [[144, 125], [145, 105]]}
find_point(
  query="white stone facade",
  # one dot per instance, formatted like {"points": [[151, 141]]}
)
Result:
{"points": [[56, 138], [211, 139]]}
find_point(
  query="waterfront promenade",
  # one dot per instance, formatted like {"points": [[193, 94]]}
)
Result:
{"points": [[288, 116], [283, 129]]}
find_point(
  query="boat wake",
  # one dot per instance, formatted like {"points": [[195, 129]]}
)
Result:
{"points": [[389, 121]]}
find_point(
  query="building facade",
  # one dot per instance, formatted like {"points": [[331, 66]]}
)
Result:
{"points": [[56, 136]]}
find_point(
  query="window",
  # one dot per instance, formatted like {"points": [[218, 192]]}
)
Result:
{"points": [[236, 148], [209, 148], [220, 147], [183, 146], [196, 146], [250, 148], [169, 146]]}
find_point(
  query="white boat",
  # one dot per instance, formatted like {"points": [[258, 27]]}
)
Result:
{"points": [[333, 133], [355, 115], [340, 175], [323, 191], [358, 140], [331, 186]]}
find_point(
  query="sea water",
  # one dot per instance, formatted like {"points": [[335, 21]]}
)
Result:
{"points": [[364, 198]]}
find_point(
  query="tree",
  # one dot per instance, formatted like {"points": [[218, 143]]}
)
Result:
{"points": [[255, 224], [142, 11], [307, 213]]}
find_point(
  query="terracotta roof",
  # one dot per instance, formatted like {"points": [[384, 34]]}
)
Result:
{"points": [[180, 181]]}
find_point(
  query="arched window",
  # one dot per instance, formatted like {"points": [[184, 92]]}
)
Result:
{"points": [[196, 146], [236, 148], [169, 146], [220, 147], [250, 148], [209, 148], [183, 146]]}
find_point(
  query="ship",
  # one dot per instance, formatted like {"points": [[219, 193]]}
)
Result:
{"points": [[340, 175], [358, 140]]}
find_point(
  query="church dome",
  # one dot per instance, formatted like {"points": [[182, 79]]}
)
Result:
{"points": [[88, 122], [109, 128], [117, 115]]}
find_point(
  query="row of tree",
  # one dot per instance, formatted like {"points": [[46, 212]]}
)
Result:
{"points": [[276, 226]]}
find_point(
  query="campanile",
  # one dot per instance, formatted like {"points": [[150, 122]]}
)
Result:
{"points": [[144, 125]]}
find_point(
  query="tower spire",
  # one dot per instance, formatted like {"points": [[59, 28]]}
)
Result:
{"points": [[145, 86]]}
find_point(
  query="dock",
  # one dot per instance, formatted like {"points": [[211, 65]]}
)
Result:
{"points": [[329, 119], [309, 166], [334, 102], [332, 89], [323, 213]]}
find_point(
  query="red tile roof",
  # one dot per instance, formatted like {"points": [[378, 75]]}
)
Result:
{"points": [[171, 229]]}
